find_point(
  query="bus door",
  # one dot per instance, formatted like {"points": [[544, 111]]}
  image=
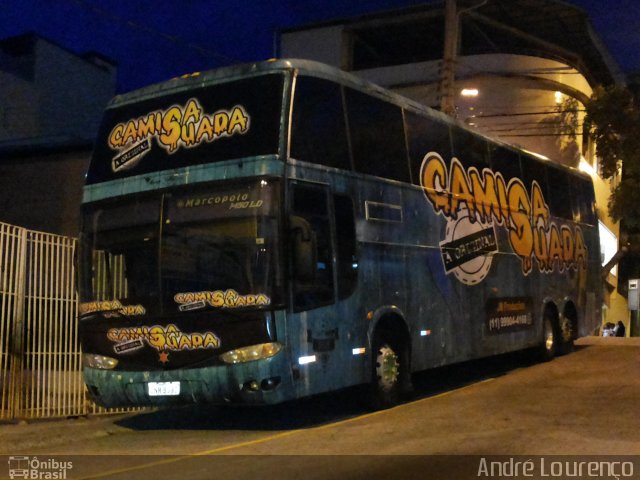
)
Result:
{"points": [[324, 270]]}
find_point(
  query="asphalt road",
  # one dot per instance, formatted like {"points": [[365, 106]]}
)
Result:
{"points": [[503, 411]]}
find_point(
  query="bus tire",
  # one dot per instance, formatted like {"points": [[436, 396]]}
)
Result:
{"points": [[390, 370], [550, 338], [567, 332]]}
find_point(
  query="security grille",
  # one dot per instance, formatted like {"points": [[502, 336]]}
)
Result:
{"points": [[40, 358]]}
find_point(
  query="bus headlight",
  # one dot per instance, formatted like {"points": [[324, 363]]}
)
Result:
{"points": [[254, 352], [93, 360]]}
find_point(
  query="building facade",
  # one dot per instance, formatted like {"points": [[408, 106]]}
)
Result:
{"points": [[51, 103]]}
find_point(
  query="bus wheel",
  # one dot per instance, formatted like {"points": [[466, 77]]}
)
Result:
{"points": [[389, 369], [549, 339], [567, 333]]}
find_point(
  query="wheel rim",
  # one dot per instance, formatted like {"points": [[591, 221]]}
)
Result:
{"points": [[548, 336], [567, 329], [387, 368]]}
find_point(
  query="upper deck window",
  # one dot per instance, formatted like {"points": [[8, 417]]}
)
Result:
{"points": [[209, 124], [318, 130], [377, 136]]}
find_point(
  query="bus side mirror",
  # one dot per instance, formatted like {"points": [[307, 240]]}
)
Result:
{"points": [[304, 249]]}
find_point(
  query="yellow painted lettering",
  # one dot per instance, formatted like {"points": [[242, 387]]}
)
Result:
{"points": [[192, 111], [220, 123], [217, 299], [580, 250], [520, 231], [540, 248], [130, 133], [555, 245], [484, 194], [434, 182], [459, 188], [196, 340], [567, 246], [156, 337], [539, 209], [147, 127], [185, 342], [210, 341], [503, 201], [171, 128], [188, 135], [115, 139], [205, 128], [239, 121]]}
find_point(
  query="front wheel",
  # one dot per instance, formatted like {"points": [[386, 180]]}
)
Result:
{"points": [[390, 371]]}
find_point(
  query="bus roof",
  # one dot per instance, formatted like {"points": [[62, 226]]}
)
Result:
{"points": [[316, 69]]}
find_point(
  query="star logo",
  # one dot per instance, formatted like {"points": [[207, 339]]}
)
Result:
{"points": [[163, 357]]}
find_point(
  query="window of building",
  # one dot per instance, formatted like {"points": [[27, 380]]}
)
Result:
{"points": [[608, 246]]}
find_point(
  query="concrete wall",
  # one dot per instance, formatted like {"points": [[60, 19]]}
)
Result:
{"points": [[18, 107], [322, 45], [51, 102], [72, 92], [43, 192], [50, 93]]}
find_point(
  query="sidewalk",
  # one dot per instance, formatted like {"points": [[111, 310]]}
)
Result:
{"points": [[605, 341], [24, 436]]}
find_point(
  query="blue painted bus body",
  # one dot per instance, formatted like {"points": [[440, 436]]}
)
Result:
{"points": [[401, 242]]}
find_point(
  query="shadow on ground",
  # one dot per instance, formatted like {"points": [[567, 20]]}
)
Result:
{"points": [[322, 409]]}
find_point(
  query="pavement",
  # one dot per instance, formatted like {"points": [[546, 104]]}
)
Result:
{"points": [[24, 437]]}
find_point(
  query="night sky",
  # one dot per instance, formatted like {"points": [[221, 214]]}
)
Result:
{"points": [[155, 41]]}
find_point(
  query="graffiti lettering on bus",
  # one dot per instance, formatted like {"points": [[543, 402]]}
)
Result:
{"points": [[484, 199], [178, 126], [161, 338]]}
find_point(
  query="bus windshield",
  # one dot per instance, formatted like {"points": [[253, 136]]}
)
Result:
{"points": [[183, 251]]}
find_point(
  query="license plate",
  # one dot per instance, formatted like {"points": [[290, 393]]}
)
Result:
{"points": [[160, 389]]}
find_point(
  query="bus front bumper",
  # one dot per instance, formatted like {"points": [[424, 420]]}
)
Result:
{"points": [[258, 382]]}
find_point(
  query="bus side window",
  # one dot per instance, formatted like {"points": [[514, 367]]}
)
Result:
{"points": [[318, 131], [470, 149], [506, 162], [559, 194], [346, 253], [535, 171], [425, 135], [310, 224], [584, 203], [377, 136]]}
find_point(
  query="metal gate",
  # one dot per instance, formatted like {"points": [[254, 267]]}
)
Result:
{"points": [[40, 358]]}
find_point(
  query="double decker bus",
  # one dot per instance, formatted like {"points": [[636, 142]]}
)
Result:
{"points": [[271, 231]]}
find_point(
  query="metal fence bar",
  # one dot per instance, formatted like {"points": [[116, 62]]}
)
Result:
{"points": [[9, 258], [40, 356]]}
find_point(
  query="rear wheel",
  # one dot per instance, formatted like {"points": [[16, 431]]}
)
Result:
{"points": [[390, 371], [549, 346], [567, 332]]}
